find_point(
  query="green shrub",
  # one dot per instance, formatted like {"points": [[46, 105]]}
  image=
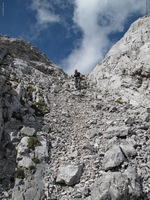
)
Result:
{"points": [[31, 89], [119, 100], [20, 173], [83, 86], [40, 108], [36, 160], [33, 142]]}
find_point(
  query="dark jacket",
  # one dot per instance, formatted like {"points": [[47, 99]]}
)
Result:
{"points": [[77, 74]]}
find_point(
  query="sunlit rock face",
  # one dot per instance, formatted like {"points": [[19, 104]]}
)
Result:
{"points": [[125, 71]]}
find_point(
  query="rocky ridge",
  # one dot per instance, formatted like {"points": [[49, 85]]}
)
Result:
{"points": [[59, 143]]}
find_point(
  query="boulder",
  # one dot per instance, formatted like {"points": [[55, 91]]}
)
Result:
{"points": [[112, 186], [117, 186], [69, 174], [22, 147], [135, 186], [25, 162], [128, 150], [120, 132], [113, 158], [41, 151]]}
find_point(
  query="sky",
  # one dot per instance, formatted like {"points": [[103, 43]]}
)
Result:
{"points": [[74, 34]]}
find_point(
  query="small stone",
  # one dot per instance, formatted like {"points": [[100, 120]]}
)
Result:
{"points": [[69, 174], [74, 154], [113, 109], [77, 195], [27, 131], [6, 194], [92, 133], [130, 121]]}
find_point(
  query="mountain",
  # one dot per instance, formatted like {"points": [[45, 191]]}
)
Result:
{"points": [[59, 143]]}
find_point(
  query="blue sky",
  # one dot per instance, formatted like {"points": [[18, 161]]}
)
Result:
{"points": [[72, 33]]}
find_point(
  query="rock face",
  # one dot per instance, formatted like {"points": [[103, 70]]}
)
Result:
{"points": [[48, 129], [125, 72]]}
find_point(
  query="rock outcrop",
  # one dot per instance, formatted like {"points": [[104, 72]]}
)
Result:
{"points": [[59, 143], [125, 71]]}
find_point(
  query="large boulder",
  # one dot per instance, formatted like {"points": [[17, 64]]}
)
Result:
{"points": [[117, 186], [69, 174], [113, 158]]}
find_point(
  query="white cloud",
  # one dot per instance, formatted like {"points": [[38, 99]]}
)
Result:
{"points": [[97, 19], [44, 14]]}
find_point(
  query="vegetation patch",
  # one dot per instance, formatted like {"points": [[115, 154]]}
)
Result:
{"points": [[83, 86], [33, 142], [31, 89], [36, 160], [20, 173], [119, 100], [40, 108]]}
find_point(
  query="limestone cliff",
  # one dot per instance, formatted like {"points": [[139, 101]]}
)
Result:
{"points": [[125, 71]]}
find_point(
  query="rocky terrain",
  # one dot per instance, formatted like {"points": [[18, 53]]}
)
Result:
{"points": [[59, 143]]}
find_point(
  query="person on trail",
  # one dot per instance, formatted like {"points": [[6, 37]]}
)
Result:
{"points": [[77, 77]]}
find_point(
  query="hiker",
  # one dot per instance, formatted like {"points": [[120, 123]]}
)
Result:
{"points": [[77, 77]]}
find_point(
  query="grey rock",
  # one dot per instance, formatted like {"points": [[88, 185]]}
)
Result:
{"points": [[28, 131], [113, 158], [41, 151], [112, 186], [118, 131], [117, 186], [25, 190], [22, 147], [131, 83], [92, 133], [128, 150], [130, 121], [135, 186], [69, 174], [25, 162]]}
